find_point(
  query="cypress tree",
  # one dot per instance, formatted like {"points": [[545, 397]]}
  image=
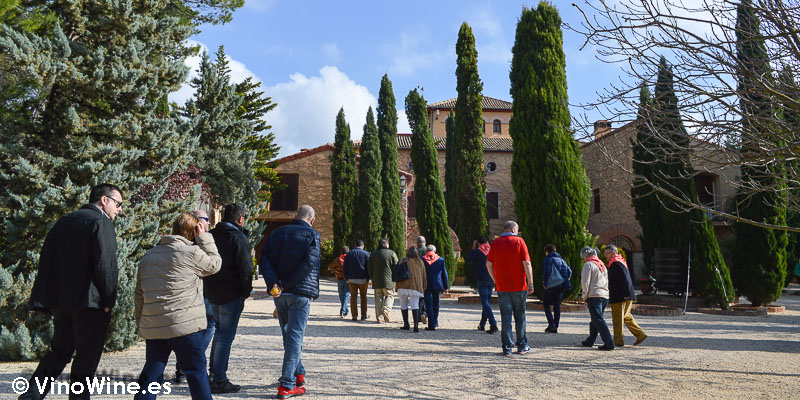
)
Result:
{"points": [[393, 224], [759, 267], [645, 202], [431, 212], [343, 183], [469, 193], [450, 167], [547, 173], [93, 77], [370, 186], [675, 173]]}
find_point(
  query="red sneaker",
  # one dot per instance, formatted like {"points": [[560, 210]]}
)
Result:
{"points": [[301, 380], [284, 393]]}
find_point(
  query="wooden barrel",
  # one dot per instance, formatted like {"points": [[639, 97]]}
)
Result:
{"points": [[670, 269]]}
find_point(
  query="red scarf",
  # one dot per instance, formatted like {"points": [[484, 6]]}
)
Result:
{"points": [[484, 248], [341, 259], [431, 257], [597, 261], [617, 258]]}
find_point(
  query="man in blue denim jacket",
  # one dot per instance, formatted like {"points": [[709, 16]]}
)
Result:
{"points": [[291, 260]]}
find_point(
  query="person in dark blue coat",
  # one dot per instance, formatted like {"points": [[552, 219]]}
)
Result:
{"points": [[291, 260], [477, 257], [552, 295], [355, 271], [437, 282]]}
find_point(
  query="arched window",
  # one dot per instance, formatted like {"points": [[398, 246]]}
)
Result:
{"points": [[496, 124], [622, 242]]}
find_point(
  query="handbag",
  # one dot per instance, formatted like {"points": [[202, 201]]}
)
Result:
{"points": [[400, 272], [555, 279]]}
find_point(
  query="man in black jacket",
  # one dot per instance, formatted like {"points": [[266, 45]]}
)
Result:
{"points": [[225, 293], [77, 283], [290, 260]]}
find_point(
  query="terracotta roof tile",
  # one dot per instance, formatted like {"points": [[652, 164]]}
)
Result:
{"points": [[487, 103], [489, 144]]}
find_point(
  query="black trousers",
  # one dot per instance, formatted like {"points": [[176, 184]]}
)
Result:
{"points": [[80, 332]]}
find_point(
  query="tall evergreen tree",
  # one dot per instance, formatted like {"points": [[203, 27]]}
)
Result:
{"points": [[431, 211], [450, 166], [343, 184], [88, 114], [646, 204], [223, 132], [675, 173], [759, 267], [370, 186], [469, 197], [393, 224], [547, 173]]}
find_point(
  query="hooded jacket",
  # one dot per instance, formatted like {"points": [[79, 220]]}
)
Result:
{"points": [[169, 292]]}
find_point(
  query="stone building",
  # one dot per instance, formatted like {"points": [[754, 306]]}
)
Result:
{"points": [[607, 158], [608, 161]]}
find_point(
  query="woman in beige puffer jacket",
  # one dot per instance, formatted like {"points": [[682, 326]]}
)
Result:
{"points": [[170, 310]]}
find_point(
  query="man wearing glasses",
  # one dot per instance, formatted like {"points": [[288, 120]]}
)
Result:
{"points": [[77, 284]]}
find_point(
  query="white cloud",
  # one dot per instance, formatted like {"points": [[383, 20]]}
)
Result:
{"points": [[414, 52], [402, 122], [307, 106], [239, 72], [260, 5], [488, 30], [332, 52]]}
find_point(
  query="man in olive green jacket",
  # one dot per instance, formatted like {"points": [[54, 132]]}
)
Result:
{"points": [[381, 264]]}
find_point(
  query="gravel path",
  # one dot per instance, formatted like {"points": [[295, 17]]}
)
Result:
{"points": [[696, 356]]}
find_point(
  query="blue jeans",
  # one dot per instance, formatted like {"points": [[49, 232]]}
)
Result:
{"points": [[344, 296], [225, 319], [513, 303], [191, 355], [293, 313], [432, 307], [552, 297], [485, 291], [597, 305]]}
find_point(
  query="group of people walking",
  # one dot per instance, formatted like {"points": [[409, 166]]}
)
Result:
{"points": [[190, 293], [418, 287], [191, 288]]}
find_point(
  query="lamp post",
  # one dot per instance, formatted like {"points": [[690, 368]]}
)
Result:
{"points": [[404, 205]]}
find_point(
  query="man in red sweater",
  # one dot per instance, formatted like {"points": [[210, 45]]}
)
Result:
{"points": [[509, 265]]}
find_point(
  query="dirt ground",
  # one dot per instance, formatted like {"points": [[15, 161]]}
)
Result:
{"points": [[695, 356]]}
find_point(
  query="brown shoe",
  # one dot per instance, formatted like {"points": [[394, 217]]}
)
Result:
{"points": [[385, 316], [640, 340]]}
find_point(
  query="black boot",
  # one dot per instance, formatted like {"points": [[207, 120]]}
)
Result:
{"points": [[415, 315], [405, 319]]}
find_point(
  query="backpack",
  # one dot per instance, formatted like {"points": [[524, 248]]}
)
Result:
{"points": [[400, 272]]}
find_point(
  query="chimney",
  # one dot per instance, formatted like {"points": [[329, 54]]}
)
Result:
{"points": [[601, 128]]}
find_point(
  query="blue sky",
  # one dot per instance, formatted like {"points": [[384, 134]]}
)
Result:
{"points": [[314, 57]]}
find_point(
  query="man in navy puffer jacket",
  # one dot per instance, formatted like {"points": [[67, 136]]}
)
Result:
{"points": [[291, 260]]}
